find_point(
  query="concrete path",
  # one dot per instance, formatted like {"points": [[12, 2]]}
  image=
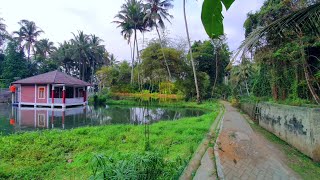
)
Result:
{"points": [[245, 154], [207, 168]]}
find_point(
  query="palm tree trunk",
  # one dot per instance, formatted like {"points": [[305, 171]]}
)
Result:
{"points": [[29, 49], [92, 73], [83, 70], [138, 56], [164, 57], [306, 71], [134, 45], [307, 75], [216, 76], [190, 49], [80, 76]]}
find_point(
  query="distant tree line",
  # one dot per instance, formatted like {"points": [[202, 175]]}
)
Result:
{"points": [[23, 54]]}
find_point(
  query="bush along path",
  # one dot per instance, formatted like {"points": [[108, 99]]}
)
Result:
{"points": [[244, 154]]}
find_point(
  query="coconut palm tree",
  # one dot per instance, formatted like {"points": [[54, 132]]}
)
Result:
{"points": [[156, 13], [27, 35], [44, 47], [81, 51], [131, 19], [3, 31], [97, 52], [300, 22], [190, 50], [64, 57]]}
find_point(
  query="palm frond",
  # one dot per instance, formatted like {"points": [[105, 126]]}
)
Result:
{"points": [[304, 20]]}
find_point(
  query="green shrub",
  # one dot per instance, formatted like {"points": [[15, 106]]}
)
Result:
{"points": [[234, 102], [147, 165], [167, 88]]}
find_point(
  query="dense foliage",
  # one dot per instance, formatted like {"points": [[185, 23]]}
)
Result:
{"points": [[284, 62], [151, 75]]}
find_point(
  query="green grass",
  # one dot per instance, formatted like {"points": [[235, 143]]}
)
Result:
{"points": [[45, 154], [181, 104], [297, 161]]}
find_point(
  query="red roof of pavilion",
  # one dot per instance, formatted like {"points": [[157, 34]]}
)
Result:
{"points": [[53, 77]]}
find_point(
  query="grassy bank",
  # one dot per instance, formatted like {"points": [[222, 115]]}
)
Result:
{"points": [[208, 105], [297, 161], [149, 95], [68, 154]]}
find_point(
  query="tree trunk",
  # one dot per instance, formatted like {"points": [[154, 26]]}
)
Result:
{"points": [[216, 75], [164, 57], [80, 76], [83, 70], [247, 88], [311, 88], [191, 57], [138, 55], [307, 74], [29, 48], [134, 45]]}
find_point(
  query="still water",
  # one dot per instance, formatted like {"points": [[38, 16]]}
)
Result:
{"points": [[13, 119]]}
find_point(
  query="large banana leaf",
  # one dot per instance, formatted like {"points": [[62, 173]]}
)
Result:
{"points": [[212, 18]]}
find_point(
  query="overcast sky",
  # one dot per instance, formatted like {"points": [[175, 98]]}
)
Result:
{"points": [[58, 18]]}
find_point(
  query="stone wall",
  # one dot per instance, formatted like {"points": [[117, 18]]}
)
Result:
{"points": [[248, 108], [298, 126]]}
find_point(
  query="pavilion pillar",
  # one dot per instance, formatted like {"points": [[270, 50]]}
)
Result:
{"points": [[52, 95], [63, 117], [85, 94], [52, 119], [64, 95]]}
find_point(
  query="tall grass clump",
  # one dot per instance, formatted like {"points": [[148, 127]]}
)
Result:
{"points": [[147, 165]]}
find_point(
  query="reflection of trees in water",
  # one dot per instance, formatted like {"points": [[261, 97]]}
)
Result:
{"points": [[136, 115], [90, 116]]}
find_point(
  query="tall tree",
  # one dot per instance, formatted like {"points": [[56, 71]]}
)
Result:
{"points": [[28, 34], [191, 56], [97, 52], [130, 20], [156, 13], [82, 52], [63, 56], [14, 63], [44, 48]]}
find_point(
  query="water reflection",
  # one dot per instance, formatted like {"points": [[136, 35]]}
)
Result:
{"points": [[13, 119]]}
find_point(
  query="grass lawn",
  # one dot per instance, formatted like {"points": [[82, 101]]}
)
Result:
{"points": [[297, 161], [65, 154]]}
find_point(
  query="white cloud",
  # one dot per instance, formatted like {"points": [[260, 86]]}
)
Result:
{"points": [[61, 17]]}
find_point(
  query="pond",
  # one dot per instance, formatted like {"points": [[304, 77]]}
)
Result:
{"points": [[14, 119]]}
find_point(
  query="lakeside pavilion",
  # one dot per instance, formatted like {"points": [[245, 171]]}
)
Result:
{"points": [[52, 89]]}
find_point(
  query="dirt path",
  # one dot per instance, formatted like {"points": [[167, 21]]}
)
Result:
{"points": [[247, 155]]}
